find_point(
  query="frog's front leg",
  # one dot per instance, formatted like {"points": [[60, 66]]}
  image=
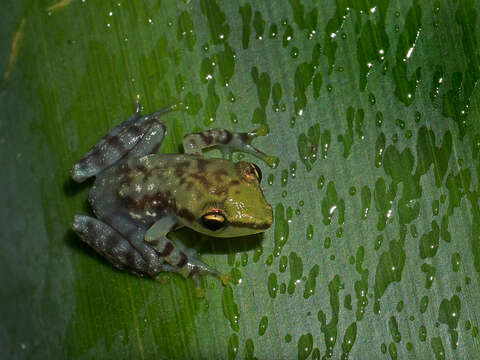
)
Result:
{"points": [[139, 135], [228, 142], [181, 259]]}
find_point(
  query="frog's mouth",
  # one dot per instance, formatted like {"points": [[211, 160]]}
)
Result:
{"points": [[259, 226]]}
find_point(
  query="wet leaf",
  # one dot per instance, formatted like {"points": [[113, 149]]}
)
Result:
{"points": [[373, 110]]}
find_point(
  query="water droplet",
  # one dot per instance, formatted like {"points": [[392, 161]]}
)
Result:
{"points": [[321, 182], [379, 119], [233, 346], [282, 265], [262, 327], [475, 331], [400, 123], [400, 306], [424, 304], [296, 272], [327, 243], [438, 349], [331, 203], [456, 262], [287, 35], [392, 350], [273, 31], [430, 272], [393, 327], [257, 253], [339, 232], [244, 259], [379, 150], [378, 242], [429, 242], [294, 52], [309, 235], [371, 99], [272, 285], [270, 179], [281, 230], [311, 282], [236, 276], [366, 200], [258, 25], [422, 333], [352, 191], [349, 340], [305, 346], [249, 349], [293, 168], [230, 308]]}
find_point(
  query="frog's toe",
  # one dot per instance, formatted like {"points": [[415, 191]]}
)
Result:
{"points": [[225, 278], [199, 292]]}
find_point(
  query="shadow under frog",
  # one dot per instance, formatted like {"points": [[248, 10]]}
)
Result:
{"points": [[138, 197]]}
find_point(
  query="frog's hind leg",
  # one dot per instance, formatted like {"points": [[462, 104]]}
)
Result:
{"points": [[228, 142], [116, 248], [139, 135], [182, 260]]}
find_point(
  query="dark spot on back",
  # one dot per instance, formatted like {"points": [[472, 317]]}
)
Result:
{"points": [[144, 170], [180, 168], [201, 179], [186, 214], [202, 164], [220, 173]]}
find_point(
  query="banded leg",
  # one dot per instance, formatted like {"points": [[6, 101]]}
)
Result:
{"points": [[113, 246], [146, 131], [135, 235], [182, 260], [228, 143]]}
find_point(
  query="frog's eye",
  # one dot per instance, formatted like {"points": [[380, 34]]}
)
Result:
{"points": [[258, 172], [213, 221]]}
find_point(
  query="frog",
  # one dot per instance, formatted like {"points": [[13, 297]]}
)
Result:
{"points": [[140, 197]]}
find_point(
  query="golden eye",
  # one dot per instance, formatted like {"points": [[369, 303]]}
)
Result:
{"points": [[258, 172], [213, 221]]}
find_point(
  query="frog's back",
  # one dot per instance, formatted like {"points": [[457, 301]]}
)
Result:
{"points": [[149, 187]]}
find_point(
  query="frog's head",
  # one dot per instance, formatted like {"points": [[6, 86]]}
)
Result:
{"points": [[239, 209]]}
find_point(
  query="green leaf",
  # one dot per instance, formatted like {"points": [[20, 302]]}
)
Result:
{"points": [[373, 109]]}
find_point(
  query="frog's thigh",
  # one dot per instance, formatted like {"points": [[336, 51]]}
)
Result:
{"points": [[134, 234], [111, 244], [142, 133]]}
